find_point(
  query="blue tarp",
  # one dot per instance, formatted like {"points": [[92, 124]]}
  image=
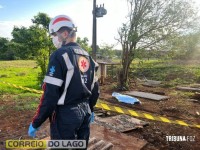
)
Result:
{"points": [[125, 98]]}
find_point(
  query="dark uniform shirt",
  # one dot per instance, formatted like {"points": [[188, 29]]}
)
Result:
{"points": [[70, 80]]}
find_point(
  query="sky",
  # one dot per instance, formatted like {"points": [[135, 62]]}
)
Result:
{"points": [[20, 12]]}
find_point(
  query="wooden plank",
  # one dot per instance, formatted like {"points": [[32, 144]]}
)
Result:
{"points": [[188, 89], [151, 83], [147, 95]]}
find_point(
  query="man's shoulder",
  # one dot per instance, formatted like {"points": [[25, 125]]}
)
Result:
{"points": [[57, 54], [70, 50], [78, 50]]}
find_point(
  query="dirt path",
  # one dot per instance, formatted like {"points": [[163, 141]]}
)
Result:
{"points": [[14, 123]]}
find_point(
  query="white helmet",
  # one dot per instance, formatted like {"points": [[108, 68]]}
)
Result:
{"points": [[61, 21]]}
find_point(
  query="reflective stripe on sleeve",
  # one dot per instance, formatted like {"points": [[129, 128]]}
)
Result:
{"points": [[52, 80], [95, 79], [70, 72]]}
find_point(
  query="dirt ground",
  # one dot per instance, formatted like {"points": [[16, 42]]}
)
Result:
{"points": [[14, 124], [176, 108]]}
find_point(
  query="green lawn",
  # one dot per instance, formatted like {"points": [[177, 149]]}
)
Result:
{"points": [[25, 73], [19, 72], [171, 72], [22, 73]]}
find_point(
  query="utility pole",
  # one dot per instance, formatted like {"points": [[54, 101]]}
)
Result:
{"points": [[94, 32], [97, 12]]}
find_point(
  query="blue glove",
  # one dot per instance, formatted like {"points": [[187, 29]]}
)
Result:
{"points": [[92, 117], [32, 131]]}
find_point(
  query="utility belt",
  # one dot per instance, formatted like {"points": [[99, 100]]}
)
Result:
{"points": [[81, 107], [81, 104]]}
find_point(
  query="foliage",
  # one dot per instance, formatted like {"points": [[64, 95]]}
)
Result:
{"points": [[4, 48], [42, 61], [150, 22], [106, 51], [185, 46], [29, 41], [45, 45], [42, 19], [118, 53], [3, 44], [22, 36], [10, 50], [84, 44], [33, 43]]}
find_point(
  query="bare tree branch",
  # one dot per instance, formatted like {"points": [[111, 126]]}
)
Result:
{"points": [[150, 22]]}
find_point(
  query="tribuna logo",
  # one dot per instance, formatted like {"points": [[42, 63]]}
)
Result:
{"points": [[180, 138]]}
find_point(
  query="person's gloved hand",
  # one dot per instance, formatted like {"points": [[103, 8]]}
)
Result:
{"points": [[92, 117], [32, 131]]}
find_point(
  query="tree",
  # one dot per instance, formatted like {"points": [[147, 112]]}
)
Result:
{"points": [[42, 60], [42, 19], [106, 51], [185, 46], [23, 38], [30, 41], [10, 50], [118, 53], [84, 44], [3, 47], [34, 42], [150, 22]]}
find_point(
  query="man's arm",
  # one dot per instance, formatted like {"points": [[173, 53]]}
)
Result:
{"points": [[51, 87], [95, 87], [94, 97]]}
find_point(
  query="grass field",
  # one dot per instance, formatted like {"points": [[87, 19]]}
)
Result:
{"points": [[20, 72], [25, 73], [171, 72], [17, 107]]}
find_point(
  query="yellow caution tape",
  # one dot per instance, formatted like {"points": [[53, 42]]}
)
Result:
{"points": [[120, 110], [109, 107], [23, 88]]}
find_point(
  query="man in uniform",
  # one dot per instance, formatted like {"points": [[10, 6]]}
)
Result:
{"points": [[70, 86]]}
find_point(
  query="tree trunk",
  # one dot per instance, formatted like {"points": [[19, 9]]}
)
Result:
{"points": [[123, 74]]}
